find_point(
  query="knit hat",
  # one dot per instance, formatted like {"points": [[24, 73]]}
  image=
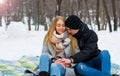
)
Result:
{"points": [[73, 22]]}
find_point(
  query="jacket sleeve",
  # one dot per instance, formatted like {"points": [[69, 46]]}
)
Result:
{"points": [[89, 49], [46, 50]]}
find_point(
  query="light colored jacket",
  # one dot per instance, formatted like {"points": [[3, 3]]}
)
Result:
{"points": [[48, 50]]}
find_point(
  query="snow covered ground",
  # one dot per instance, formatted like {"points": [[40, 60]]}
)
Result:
{"points": [[17, 41], [110, 41]]}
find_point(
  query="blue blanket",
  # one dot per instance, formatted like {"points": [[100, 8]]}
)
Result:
{"points": [[17, 68]]}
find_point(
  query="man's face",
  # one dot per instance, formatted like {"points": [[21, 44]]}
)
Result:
{"points": [[72, 31]]}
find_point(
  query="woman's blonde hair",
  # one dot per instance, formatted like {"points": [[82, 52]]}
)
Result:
{"points": [[47, 39]]}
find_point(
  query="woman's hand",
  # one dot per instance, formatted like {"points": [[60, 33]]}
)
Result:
{"points": [[61, 62], [64, 62], [67, 62]]}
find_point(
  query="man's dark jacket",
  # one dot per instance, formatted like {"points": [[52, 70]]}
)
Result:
{"points": [[87, 42]]}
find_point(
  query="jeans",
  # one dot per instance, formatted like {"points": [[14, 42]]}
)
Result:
{"points": [[98, 66], [53, 68]]}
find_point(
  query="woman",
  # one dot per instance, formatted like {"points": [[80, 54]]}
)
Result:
{"points": [[56, 46]]}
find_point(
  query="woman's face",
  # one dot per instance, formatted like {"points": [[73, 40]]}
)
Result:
{"points": [[60, 26]]}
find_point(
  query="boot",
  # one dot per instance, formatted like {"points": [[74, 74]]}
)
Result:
{"points": [[29, 73], [43, 73]]}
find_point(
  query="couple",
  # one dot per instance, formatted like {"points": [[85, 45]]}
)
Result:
{"points": [[69, 42]]}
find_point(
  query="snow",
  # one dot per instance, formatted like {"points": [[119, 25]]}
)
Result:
{"points": [[110, 41], [17, 41], [17, 30]]}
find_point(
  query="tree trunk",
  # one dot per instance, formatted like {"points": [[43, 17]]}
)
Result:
{"points": [[97, 15], [114, 14], [38, 17], [29, 25], [58, 7], [29, 20], [108, 17], [88, 15]]}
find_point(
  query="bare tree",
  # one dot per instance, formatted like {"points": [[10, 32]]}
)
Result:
{"points": [[39, 10], [114, 14], [87, 11], [108, 17], [58, 7], [102, 16], [79, 5], [38, 13], [29, 14], [97, 15]]}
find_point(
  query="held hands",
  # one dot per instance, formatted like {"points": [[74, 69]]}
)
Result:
{"points": [[63, 62]]}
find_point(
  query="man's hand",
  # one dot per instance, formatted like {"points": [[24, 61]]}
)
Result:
{"points": [[64, 62], [61, 62]]}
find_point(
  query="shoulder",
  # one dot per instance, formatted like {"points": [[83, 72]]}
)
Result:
{"points": [[91, 35]]}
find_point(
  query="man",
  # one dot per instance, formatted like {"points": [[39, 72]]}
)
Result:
{"points": [[90, 61]]}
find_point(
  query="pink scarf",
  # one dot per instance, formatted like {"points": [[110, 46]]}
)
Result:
{"points": [[61, 41]]}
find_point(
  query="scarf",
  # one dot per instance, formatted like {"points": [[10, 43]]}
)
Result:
{"points": [[61, 41]]}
